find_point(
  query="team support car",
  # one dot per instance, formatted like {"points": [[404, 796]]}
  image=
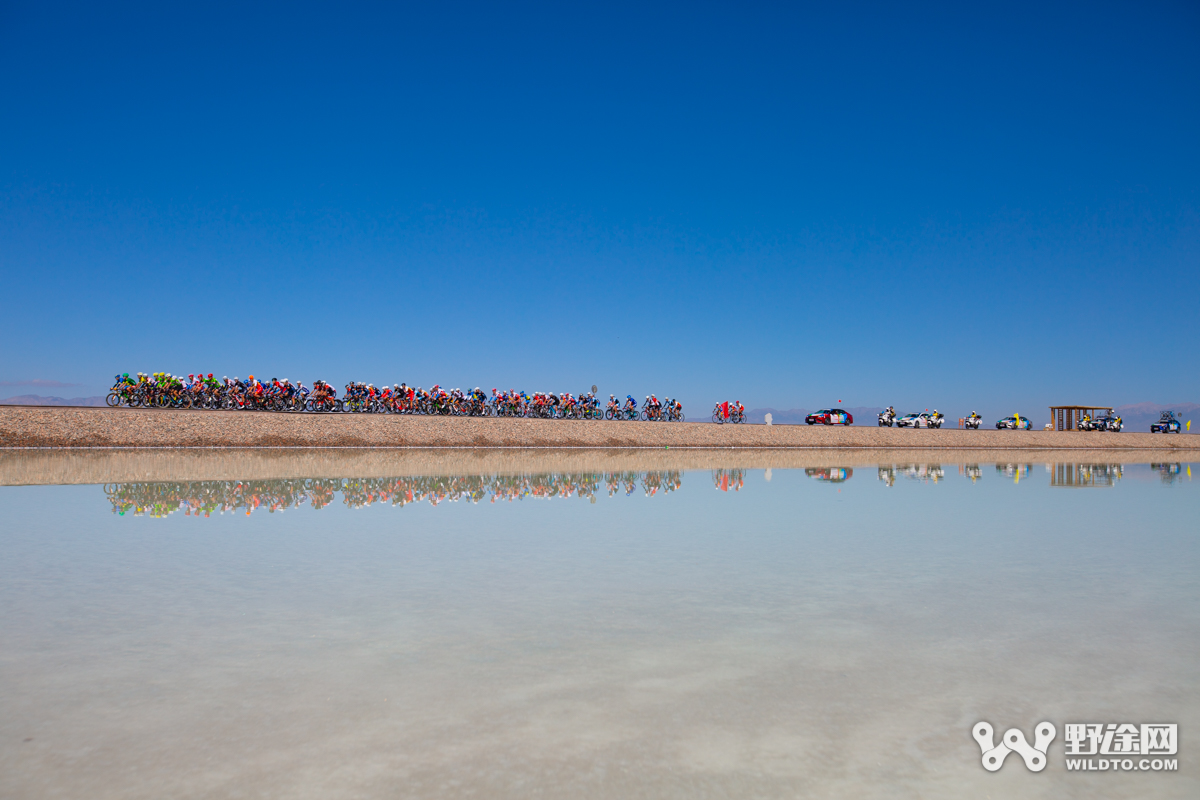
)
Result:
{"points": [[1016, 422], [921, 420], [830, 416], [1166, 424]]}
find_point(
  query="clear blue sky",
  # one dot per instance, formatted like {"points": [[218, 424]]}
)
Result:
{"points": [[896, 204]]}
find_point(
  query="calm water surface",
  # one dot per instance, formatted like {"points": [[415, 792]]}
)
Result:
{"points": [[830, 631]]}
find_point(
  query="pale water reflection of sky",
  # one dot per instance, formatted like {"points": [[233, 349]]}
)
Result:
{"points": [[830, 632]]}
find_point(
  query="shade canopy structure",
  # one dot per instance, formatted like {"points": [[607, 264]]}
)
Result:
{"points": [[1066, 418]]}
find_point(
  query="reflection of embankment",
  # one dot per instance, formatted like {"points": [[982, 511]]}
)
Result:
{"points": [[35, 467], [203, 498]]}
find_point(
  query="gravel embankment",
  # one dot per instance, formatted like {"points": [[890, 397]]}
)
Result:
{"points": [[105, 427]]}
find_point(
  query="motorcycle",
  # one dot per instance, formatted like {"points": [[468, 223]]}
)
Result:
{"points": [[887, 418], [973, 422]]}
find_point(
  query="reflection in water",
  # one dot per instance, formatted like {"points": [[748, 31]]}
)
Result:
{"points": [[1015, 471], [972, 471], [1086, 475], [726, 479], [1169, 473], [830, 474], [202, 498], [914, 472], [790, 641]]}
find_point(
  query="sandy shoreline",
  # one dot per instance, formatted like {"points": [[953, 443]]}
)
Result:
{"points": [[59, 427]]}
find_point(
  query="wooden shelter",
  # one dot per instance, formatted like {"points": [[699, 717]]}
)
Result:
{"points": [[1066, 418]]}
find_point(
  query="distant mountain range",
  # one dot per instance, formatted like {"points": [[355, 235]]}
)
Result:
{"points": [[39, 400]]}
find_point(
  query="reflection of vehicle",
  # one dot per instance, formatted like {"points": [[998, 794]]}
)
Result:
{"points": [[972, 471], [914, 472], [973, 422], [1014, 471], [920, 421], [831, 474], [830, 416], [924, 472], [1016, 422], [887, 417], [1166, 424], [1169, 473]]}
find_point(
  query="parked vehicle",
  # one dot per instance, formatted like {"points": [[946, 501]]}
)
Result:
{"points": [[1016, 422], [973, 422], [1086, 423], [921, 420], [830, 416], [1166, 424], [887, 417], [1110, 423]]}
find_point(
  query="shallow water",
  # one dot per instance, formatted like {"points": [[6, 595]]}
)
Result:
{"points": [[606, 631]]}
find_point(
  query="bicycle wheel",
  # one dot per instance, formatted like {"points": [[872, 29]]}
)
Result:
{"points": [[112, 400]]}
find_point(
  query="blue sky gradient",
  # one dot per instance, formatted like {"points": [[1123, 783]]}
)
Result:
{"points": [[910, 205]]}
